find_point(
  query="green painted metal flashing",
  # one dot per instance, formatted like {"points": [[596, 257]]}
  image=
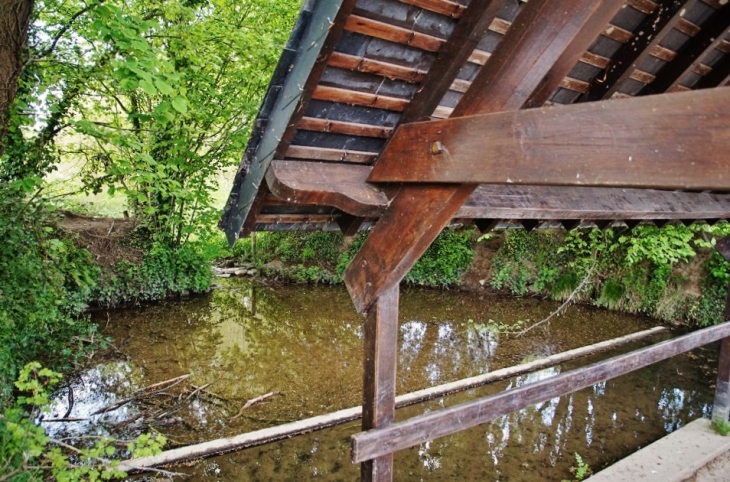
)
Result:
{"points": [[282, 98]]}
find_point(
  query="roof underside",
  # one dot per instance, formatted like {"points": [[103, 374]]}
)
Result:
{"points": [[351, 68]]}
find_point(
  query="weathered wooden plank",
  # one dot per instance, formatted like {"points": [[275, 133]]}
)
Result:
{"points": [[392, 33], [377, 67], [644, 6], [335, 185], [620, 143], [402, 435], [300, 67], [381, 356], [690, 51], [353, 97], [327, 154], [451, 57], [346, 187], [444, 7], [349, 128], [531, 61]]}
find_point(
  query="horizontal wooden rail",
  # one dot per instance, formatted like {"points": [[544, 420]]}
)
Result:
{"points": [[417, 430], [271, 434], [346, 187], [668, 141]]}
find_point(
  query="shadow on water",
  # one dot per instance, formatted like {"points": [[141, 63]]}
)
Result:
{"points": [[306, 344]]}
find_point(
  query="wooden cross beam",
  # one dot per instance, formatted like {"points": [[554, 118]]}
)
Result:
{"points": [[668, 141], [532, 59], [346, 187]]}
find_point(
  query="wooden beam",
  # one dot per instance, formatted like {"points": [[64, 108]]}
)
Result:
{"points": [[349, 224], [451, 58], [392, 33], [377, 67], [402, 435], [299, 69], [620, 143], [530, 224], [381, 356], [690, 51], [534, 56], [326, 154], [570, 224], [326, 184], [346, 187]]}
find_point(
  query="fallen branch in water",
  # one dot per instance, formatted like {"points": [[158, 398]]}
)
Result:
{"points": [[250, 403], [166, 384]]}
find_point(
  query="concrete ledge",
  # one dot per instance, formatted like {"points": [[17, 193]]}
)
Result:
{"points": [[677, 457]]}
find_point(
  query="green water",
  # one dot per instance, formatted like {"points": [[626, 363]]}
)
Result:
{"points": [[305, 344]]}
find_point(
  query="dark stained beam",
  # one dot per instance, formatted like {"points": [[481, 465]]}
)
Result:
{"points": [[619, 143], [414, 431], [631, 224], [660, 223], [345, 187], [530, 224], [301, 66], [630, 55], [603, 223], [486, 225], [570, 224], [451, 57], [381, 356], [533, 50], [690, 51]]}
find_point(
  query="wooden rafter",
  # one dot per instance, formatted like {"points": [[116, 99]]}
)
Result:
{"points": [[655, 27], [532, 58], [617, 143], [690, 51]]}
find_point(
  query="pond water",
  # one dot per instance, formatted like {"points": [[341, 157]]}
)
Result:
{"points": [[304, 344]]}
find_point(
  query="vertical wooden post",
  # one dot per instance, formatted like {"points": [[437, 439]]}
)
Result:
{"points": [[381, 346], [253, 244], [721, 410]]}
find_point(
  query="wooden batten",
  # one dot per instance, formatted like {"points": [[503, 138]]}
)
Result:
{"points": [[392, 33], [377, 67], [353, 97], [327, 154], [349, 128]]}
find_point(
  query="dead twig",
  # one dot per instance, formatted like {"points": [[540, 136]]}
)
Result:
{"points": [[250, 403]]}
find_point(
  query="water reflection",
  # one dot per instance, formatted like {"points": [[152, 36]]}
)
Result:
{"points": [[306, 344]]}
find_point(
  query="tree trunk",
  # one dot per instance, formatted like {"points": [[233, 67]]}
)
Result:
{"points": [[15, 18]]}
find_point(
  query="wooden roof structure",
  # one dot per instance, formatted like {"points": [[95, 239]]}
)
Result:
{"points": [[411, 114], [353, 71]]}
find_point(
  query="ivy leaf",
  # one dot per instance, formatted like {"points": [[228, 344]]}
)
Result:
{"points": [[180, 104]]}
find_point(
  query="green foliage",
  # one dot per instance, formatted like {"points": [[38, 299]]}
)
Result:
{"points": [[638, 271], [162, 272], [27, 453], [45, 283], [581, 470], [721, 426], [323, 257], [444, 261]]}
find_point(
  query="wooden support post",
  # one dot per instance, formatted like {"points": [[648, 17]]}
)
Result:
{"points": [[349, 224], [570, 224], [721, 409], [381, 353], [530, 224], [486, 225]]}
